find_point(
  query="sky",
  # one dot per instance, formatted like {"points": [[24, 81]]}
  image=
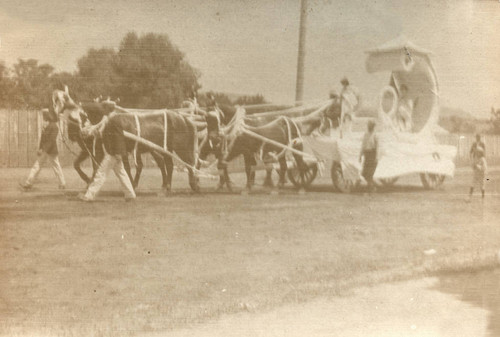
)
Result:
{"points": [[250, 46]]}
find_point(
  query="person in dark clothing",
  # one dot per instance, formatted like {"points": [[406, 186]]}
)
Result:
{"points": [[216, 143], [369, 153], [47, 152], [477, 146], [479, 167]]}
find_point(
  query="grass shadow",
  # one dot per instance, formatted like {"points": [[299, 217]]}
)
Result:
{"points": [[480, 288]]}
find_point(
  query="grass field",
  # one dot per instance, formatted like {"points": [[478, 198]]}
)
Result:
{"points": [[113, 268]]}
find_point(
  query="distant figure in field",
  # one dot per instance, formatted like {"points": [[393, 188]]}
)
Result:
{"points": [[479, 167], [350, 100], [477, 145], [369, 153], [47, 151], [405, 110]]}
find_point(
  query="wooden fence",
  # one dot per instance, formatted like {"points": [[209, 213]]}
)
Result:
{"points": [[19, 130], [20, 133], [464, 143]]}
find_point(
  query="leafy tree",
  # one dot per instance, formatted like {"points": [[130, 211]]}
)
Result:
{"points": [[30, 81], [251, 100], [152, 72], [220, 98], [97, 74], [495, 120], [6, 85]]}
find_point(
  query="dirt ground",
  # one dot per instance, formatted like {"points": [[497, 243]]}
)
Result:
{"points": [[164, 263]]}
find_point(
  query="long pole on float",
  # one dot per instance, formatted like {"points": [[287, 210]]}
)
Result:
{"points": [[299, 89]]}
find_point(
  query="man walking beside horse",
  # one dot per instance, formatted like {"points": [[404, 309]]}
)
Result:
{"points": [[115, 150]]}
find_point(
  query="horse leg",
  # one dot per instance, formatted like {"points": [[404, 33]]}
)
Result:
{"points": [[268, 182], [161, 164], [222, 170], [282, 173], [229, 184], [138, 170], [224, 175], [249, 170], [169, 165], [76, 164], [126, 165], [193, 181], [301, 165]]}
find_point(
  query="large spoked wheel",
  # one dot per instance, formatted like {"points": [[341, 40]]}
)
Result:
{"points": [[303, 181], [341, 184], [387, 182], [431, 180]]}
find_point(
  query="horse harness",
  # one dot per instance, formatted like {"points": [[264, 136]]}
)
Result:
{"points": [[138, 129], [290, 141], [91, 153]]}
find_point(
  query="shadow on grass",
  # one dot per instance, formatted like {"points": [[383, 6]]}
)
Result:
{"points": [[479, 288], [363, 189], [237, 191]]}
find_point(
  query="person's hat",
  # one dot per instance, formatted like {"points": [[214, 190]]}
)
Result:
{"points": [[344, 81]]}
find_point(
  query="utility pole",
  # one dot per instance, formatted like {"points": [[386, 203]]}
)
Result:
{"points": [[299, 89]]}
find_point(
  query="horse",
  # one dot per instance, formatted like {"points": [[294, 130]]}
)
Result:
{"points": [[179, 137], [282, 130], [213, 141], [93, 113], [222, 116], [278, 128], [64, 104]]}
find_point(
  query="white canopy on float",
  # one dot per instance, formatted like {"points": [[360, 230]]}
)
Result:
{"points": [[409, 65]]}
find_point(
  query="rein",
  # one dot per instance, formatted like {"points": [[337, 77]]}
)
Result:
{"points": [[91, 155], [165, 130], [138, 128]]}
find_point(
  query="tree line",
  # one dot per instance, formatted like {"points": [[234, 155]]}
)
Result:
{"points": [[147, 72]]}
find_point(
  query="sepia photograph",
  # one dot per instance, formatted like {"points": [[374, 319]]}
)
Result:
{"points": [[250, 168]]}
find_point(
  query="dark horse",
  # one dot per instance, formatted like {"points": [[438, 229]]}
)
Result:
{"points": [[282, 130], [213, 141], [277, 128], [78, 115], [180, 137]]}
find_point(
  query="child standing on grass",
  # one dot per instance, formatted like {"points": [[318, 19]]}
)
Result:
{"points": [[47, 151], [479, 169]]}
